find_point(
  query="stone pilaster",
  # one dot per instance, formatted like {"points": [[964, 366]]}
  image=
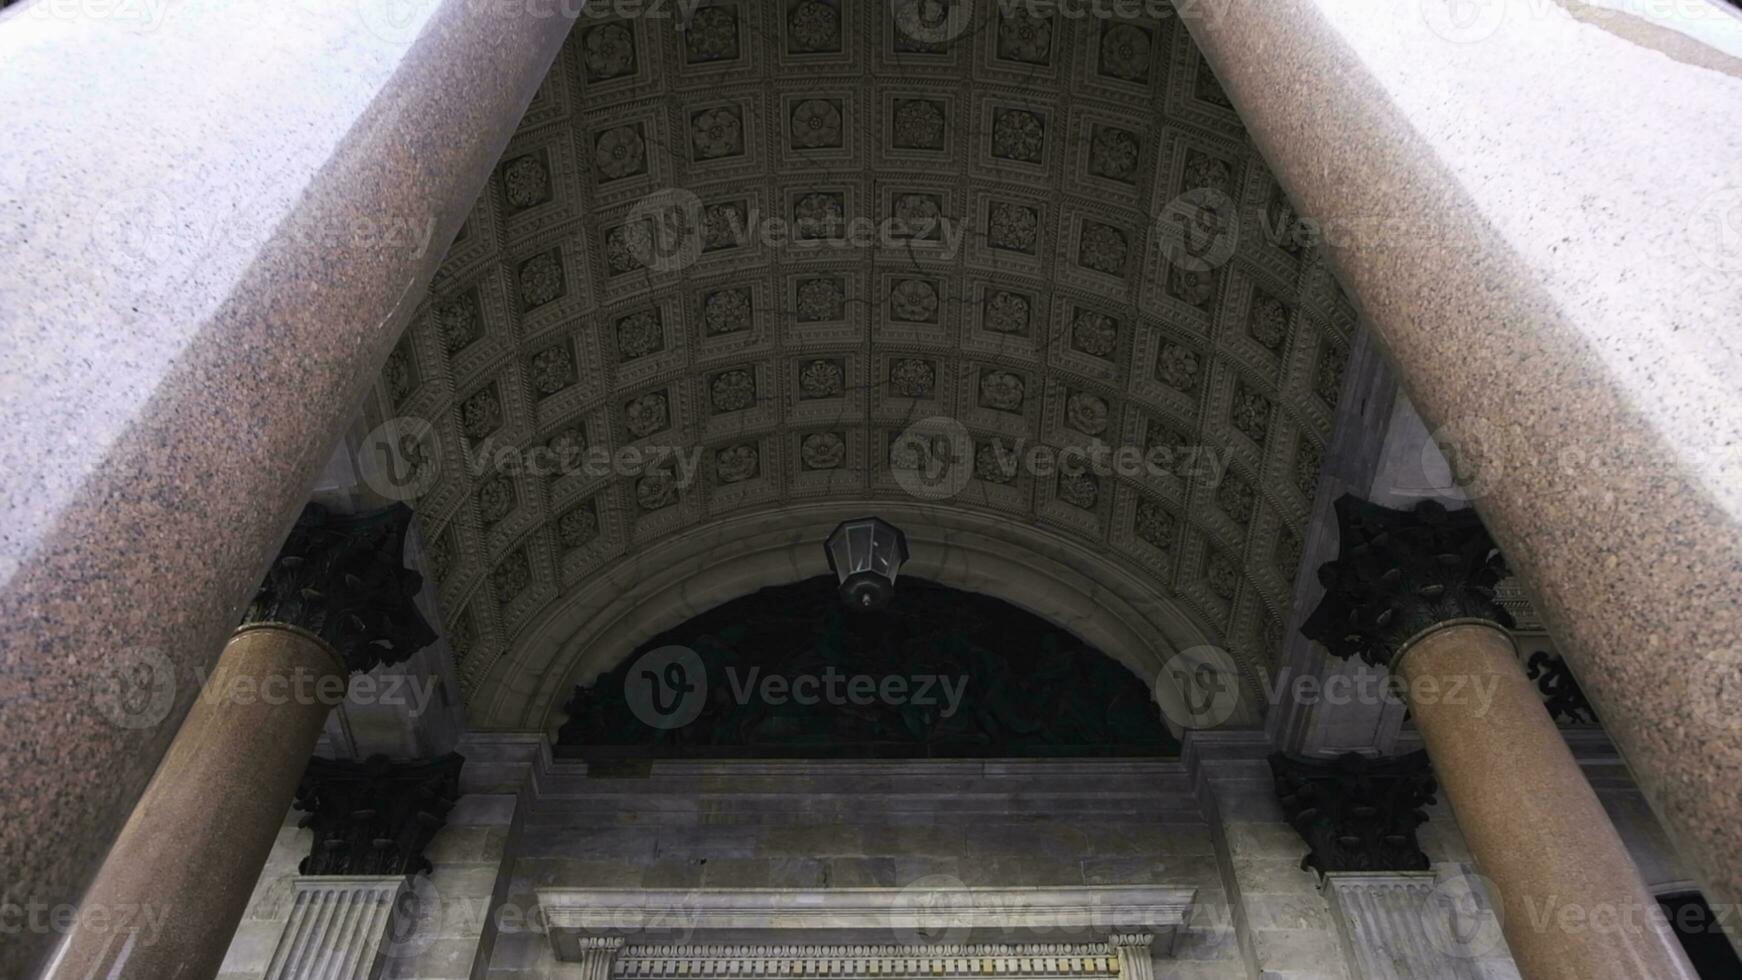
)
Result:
{"points": [[338, 598], [1358, 816], [1136, 961], [597, 953], [340, 928], [1414, 592], [1401, 926]]}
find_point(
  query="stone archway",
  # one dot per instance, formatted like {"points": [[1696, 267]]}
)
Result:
{"points": [[1109, 605]]}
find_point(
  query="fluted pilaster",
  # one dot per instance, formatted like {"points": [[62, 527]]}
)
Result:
{"points": [[340, 928]]}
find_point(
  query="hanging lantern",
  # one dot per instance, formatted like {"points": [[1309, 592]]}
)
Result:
{"points": [[866, 554]]}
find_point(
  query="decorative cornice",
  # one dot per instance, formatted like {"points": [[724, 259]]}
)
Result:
{"points": [[948, 913], [342, 579], [869, 960], [1143, 939], [1401, 573], [375, 817], [1357, 813], [599, 942]]}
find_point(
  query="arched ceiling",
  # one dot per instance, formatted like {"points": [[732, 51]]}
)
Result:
{"points": [[1055, 145]]}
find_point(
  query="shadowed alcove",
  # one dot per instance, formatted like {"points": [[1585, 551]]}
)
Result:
{"points": [[788, 671]]}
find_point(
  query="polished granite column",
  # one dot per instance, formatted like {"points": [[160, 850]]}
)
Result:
{"points": [[1414, 591], [338, 599], [215, 219], [1537, 207]]}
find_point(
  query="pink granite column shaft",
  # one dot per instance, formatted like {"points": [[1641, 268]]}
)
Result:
{"points": [[1538, 208], [177, 881], [208, 256], [1574, 906]]}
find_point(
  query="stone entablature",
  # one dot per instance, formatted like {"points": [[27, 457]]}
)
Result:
{"points": [[919, 916]]}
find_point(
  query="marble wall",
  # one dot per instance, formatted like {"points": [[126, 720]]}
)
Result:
{"points": [[527, 822], [838, 825]]}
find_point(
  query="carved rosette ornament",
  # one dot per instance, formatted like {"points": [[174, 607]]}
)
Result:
{"points": [[1400, 574], [342, 578], [375, 817], [1355, 812]]}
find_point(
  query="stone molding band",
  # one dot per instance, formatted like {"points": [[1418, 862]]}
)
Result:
{"points": [[1410, 644], [327, 648]]}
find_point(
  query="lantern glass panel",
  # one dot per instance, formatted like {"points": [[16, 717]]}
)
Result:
{"points": [[884, 556], [861, 540], [843, 558]]}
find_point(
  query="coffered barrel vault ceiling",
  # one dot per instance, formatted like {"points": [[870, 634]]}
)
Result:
{"points": [[1054, 144]]}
